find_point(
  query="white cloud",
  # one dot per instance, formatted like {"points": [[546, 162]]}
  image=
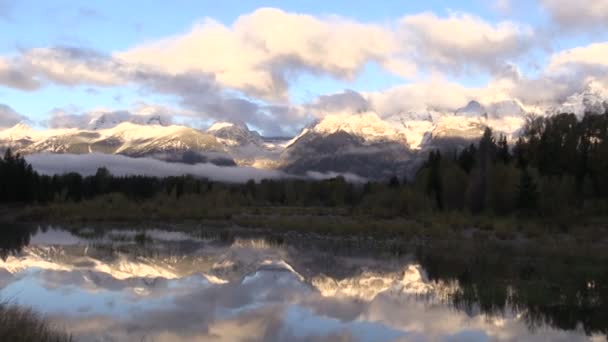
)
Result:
{"points": [[463, 42], [243, 71], [261, 51], [591, 55], [72, 66], [105, 118], [8, 117], [87, 164], [578, 15], [13, 77]]}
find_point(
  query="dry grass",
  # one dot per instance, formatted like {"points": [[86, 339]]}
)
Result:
{"points": [[24, 325]]}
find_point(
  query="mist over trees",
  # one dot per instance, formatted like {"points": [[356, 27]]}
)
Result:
{"points": [[558, 164]]}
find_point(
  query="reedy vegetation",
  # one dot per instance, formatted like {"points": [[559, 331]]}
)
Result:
{"points": [[24, 325]]}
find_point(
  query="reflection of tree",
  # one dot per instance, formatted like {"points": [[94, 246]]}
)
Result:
{"points": [[546, 288], [13, 238]]}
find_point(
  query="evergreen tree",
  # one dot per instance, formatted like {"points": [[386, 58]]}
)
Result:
{"points": [[527, 193], [435, 185], [502, 153]]}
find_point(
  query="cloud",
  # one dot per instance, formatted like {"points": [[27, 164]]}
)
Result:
{"points": [[72, 66], [198, 93], [346, 101], [8, 117], [13, 77], [243, 71], [102, 118], [593, 55], [578, 16], [463, 42], [87, 164], [263, 50]]}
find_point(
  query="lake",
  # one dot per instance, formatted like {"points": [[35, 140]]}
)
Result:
{"points": [[163, 284]]}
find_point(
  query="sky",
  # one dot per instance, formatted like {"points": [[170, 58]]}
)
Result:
{"points": [[278, 65]]}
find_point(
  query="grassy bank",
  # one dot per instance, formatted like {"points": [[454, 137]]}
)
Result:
{"points": [[24, 325], [115, 208]]}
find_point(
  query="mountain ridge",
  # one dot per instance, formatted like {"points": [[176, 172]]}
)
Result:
{"points": [[363, 143]]}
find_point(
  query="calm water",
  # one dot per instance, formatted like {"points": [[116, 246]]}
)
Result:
{"points": [[122, 285]]}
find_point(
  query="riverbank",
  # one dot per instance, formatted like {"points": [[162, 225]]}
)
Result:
{"points": [[579, 228]]}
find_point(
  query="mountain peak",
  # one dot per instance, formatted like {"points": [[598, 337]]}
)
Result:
{"points": [[592, 99], [220, 125], [105, 120], [367, 125], [234, 133], [595, 88], [21, 129], [473, 108]]}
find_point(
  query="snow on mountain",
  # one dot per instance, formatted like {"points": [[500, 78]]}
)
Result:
{"points": [[21, 135], [365, 143], [368, 126], [105, 120], [362, 144], [171, 143], [220, 125], [592, 99], [468, 123], [235, 134], [247, 147]]}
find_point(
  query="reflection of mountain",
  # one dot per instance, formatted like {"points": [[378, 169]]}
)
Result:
{"points": [[215, 264], [174, 283]]}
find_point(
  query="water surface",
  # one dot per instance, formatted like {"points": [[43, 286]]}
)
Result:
{"points": [[158, 285]]}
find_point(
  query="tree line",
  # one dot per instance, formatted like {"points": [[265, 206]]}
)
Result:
{"points": [[558, 163]]}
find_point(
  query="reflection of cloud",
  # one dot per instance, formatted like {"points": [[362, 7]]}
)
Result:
{"points": [[269, 304]]}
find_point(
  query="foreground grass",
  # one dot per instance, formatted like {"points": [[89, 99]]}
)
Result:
{"points": [[24, 325]]}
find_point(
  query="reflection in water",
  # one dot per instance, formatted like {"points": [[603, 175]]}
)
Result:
{"points": [[167, 286]]}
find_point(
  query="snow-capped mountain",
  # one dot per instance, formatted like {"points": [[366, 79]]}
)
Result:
{"points": [[368, 126], [234, 134], [247, 147], [362, 144], [21, 136], [105, 120], [171, 143], [593, 99], [472, 109]]}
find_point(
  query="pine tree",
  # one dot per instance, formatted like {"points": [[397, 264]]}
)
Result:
{"points": [[434, 184], [527, 193], [502, 153]]}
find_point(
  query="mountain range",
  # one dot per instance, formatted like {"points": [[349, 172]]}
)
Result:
{"points": [[361, 143]]}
